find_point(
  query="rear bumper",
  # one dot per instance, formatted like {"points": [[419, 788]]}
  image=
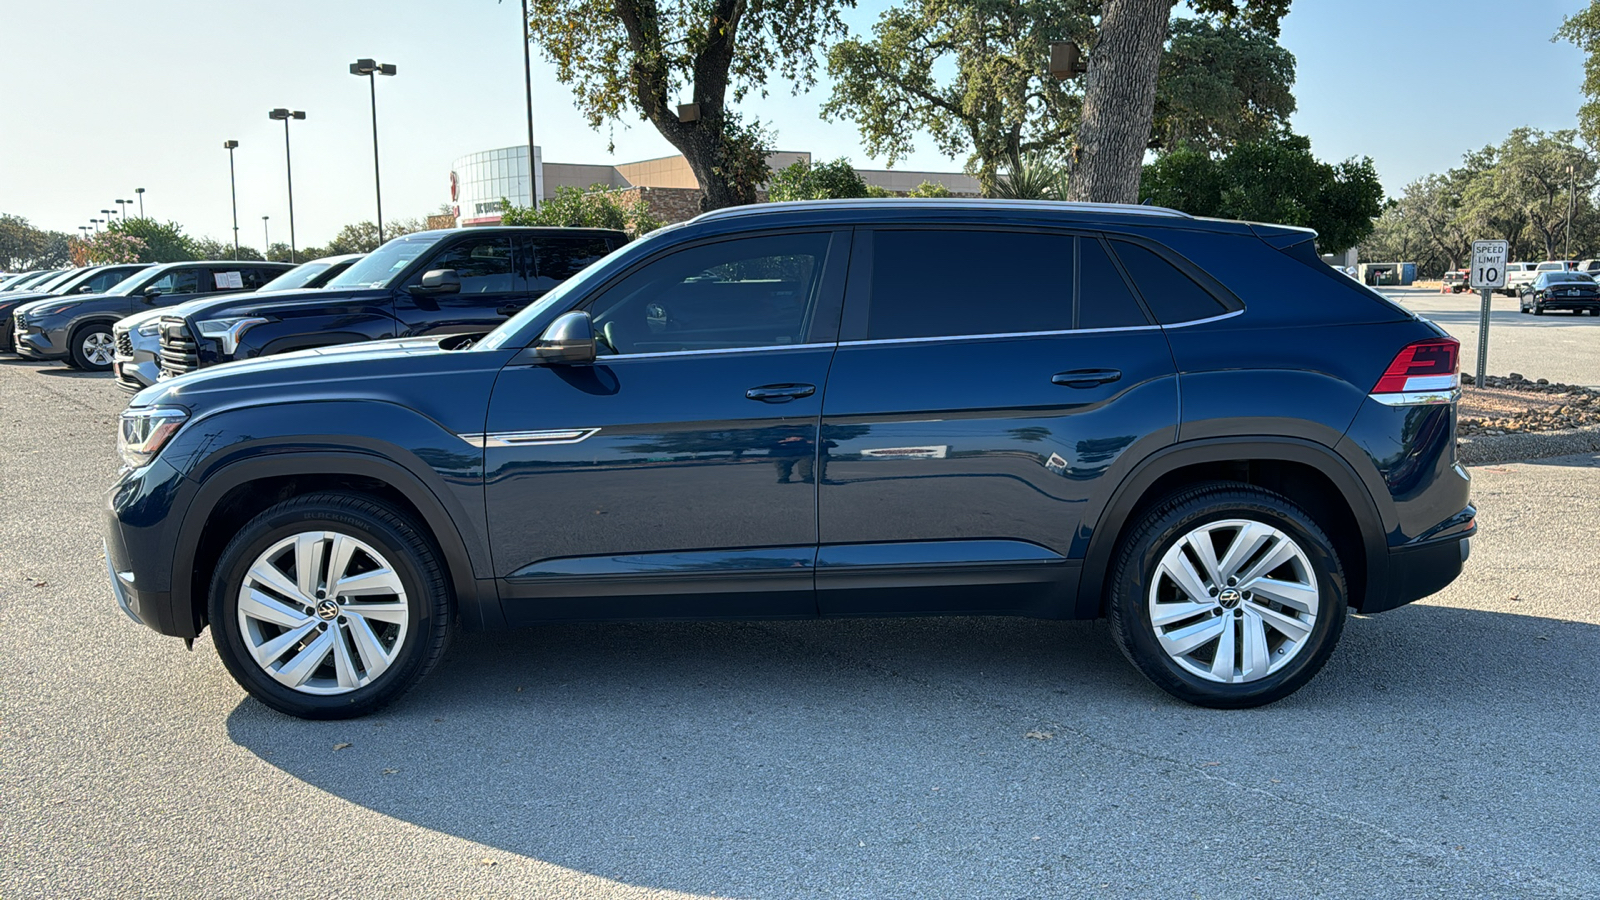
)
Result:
{"points": [[1426, 567]]}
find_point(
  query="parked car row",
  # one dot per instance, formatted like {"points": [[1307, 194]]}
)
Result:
{"points": [[837, 408]]}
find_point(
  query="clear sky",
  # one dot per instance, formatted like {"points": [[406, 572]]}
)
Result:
{"points": [[104, 97]]}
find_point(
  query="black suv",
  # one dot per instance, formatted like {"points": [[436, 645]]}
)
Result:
{"points": [[462, 281], [88, 280], [862, 408], [77, 328]]}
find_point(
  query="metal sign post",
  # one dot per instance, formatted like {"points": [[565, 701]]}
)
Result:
{"points": [[1488, 273]]}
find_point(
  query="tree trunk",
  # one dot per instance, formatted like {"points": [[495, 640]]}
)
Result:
{"points": [[1119, 101]]}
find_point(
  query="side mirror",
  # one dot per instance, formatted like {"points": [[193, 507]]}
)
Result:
{"points": [[439, 281], [84, 289], [568, 341], [151, 294]]}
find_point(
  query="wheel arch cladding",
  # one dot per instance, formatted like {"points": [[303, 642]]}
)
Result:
{"points": [[1311, 475], [233, 495]]}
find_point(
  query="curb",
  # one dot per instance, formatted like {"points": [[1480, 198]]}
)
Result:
{"points": [[1487, 449]]}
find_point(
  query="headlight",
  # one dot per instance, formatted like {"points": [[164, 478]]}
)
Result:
{"points": [[228, 331], [145, 431], [151, 328]]}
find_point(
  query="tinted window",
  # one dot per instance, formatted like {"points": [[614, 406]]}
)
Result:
{"points": [[752, 292], [1171, 295], [1104, 300], [177, 281], [100, 282], [558, 259], [255, 278], [298, 277], [941, 283], [483, 264]]}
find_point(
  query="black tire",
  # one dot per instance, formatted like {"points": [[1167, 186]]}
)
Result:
{"points": [[1538, 308], [79, 358], [409, 550], [1159, 529]]}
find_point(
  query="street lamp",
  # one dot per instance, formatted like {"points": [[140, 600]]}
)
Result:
{"points": [[372, 69], [96, 224], [233, 192], [85, 230], [122, 208], [288, 164], [527, 75], [140, 193], [266, 237], [107, 213]]}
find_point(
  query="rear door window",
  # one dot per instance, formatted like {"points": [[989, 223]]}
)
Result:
{"points": [[483, 265], [1171, 296], [928, 283], [177, 281]]}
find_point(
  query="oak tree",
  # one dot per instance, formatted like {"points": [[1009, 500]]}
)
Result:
{"points": [[638, 57]]}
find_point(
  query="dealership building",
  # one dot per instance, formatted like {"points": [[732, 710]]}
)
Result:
{"points": [[479, 182]]}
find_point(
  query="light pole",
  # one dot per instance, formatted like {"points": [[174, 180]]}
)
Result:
{"points": [[288, 165], [85, 230], [140, 193], [233, 192], [96, 224], [372, 69], [1572, 190], [266, 237], [122, 208], [107, 213], [527, 74]]}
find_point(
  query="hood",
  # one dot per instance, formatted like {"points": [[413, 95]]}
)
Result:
{"points": [[129, 323], [376, 369], [17, 298], [245, 304], [45, 299]]}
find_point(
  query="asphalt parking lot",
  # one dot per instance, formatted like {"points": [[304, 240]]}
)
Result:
{"points": [[1559, 346], [1447, 749]]}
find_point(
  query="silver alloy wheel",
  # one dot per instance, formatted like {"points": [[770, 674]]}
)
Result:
{"points": [[1234, 601], [323, 613], [98, 347]]}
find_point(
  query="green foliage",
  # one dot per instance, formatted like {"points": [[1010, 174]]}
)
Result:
{"points": [[362, 237], [874, 190], [1519, 191], [24, 247], [279, 252], [1033, 177], [974, 74], [163, 241], [1221, 85], [626, 58], [597, 207], [1275, 179], [211, 248], [835, 180], [930, 189], [1583, 30]]}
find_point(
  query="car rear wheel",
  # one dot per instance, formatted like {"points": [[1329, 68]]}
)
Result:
{"points": [[92, 347], [330, 606], [1228, 596]]}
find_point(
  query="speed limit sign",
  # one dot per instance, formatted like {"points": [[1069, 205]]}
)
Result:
{"points": [[1488, 264]]}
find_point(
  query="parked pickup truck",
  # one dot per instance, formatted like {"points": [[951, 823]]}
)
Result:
{"points": [[1519, 275], [1456, 281]]}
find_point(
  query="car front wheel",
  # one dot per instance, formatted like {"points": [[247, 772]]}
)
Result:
{"points": [[92, 348], [1228, 596], [330, 606]]}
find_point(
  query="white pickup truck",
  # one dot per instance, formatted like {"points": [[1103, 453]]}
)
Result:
{"points": [[1520, 275]]}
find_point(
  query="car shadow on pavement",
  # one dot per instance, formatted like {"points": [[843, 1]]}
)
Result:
{"points": [[66, 372], [762, 759]]}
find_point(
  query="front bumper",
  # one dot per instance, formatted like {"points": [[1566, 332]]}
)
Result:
{"points": [[137, 363], [142, 515], [36, 340]]}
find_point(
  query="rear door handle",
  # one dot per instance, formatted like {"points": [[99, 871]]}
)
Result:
{"points": [[1086, 378], [780, 393]]}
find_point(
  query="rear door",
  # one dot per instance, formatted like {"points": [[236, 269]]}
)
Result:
{"points": [[494, 285], [985, 379], [555, 258]]}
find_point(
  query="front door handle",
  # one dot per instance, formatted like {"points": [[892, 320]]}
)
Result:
{"points": [[510, 309], [780, 393], [1086, 378]]}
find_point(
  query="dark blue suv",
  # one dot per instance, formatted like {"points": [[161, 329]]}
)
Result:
{"points": [[863, 408]]}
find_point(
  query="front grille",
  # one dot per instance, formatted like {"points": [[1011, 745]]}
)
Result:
{"points": [[124, 345], [179, 351]]}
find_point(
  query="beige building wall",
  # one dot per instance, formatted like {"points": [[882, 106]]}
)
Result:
{"points": [[901, 181], [579, 176]]}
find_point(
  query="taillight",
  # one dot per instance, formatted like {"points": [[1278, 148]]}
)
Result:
{"points": [[1430, 365]]}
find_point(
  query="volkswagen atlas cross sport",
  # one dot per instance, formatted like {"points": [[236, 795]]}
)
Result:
{"points": [[866, 408]]}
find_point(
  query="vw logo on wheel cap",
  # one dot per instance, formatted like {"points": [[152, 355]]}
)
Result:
{"points": [[1229, 598], [327, 609]]}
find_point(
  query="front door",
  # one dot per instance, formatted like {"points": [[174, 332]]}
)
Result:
{"points": [[494, 285], [984, 380], [677, 475]]}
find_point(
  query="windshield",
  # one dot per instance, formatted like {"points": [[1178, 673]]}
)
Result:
{"points": [[297, 277], [59, 281], [600, 269], [26, 282], [380, 267], [1558, 278], [137, 280]]}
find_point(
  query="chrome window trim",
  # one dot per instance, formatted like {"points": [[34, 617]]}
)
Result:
{"points": [[754, 349], [530, 438], [1020, 334]]}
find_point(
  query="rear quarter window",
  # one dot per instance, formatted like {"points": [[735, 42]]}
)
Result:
{"points": [[1172, 296]]}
